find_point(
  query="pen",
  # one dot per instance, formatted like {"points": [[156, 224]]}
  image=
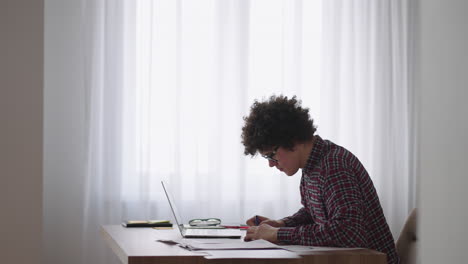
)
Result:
{"points": [[236, 227], [256, 220]]}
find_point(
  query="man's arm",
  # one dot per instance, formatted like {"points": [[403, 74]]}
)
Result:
{"points": [[301, 217], [345, 207]]}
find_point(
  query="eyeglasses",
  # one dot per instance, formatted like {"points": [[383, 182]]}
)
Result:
{"points": [[270, 155], [205, 222]]}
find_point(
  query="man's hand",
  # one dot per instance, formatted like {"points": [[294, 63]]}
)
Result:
{"points": [[263, 231], [265, 220]]}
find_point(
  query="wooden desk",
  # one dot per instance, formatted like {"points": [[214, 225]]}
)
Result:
{"points": [[139, 246]]}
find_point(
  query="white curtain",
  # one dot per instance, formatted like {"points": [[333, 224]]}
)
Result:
{"points": [[168, 83]]}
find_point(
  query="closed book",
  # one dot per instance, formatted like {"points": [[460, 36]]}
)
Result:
{"points": [[150, 223]]}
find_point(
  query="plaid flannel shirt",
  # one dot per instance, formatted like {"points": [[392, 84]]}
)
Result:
{"points": [[340, 205]]}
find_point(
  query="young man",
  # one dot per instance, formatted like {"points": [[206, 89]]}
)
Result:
{"points": [[340, 204]]}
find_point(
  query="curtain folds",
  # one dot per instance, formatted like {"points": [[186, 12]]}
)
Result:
{"points": [[168, 83], [365, 80]]}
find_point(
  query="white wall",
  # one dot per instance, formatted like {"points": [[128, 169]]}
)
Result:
{"points": [[64, 128], [21, 105], [443, 136]]}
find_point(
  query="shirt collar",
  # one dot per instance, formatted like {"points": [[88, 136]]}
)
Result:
{"points": [[315, 154]]}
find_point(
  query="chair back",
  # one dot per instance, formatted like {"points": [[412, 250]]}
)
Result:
{"points": [[406, 244]]}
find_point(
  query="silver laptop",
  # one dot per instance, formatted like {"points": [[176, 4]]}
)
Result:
{"points": [[197, 233]]}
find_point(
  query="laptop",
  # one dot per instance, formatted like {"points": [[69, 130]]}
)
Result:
{"points": [[197, 233]]}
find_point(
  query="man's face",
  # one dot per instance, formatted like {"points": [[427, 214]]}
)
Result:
{"points": [[283, 159]]}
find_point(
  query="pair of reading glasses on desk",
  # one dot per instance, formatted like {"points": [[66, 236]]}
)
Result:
{"points": [[205, 222]]}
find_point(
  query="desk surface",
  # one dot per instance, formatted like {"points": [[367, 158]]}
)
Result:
{"points": [[139, 246]]}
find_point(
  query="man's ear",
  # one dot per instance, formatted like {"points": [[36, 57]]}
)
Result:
{"points": [[296, 146]]}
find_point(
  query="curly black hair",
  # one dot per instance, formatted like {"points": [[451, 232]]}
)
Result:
{"points": [[277, 122]]}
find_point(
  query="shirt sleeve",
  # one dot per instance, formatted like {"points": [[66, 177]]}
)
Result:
{"points": [[345, 207], [301, 217]]}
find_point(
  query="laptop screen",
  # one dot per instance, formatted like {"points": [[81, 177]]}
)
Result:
{"points": [[174, 210]]}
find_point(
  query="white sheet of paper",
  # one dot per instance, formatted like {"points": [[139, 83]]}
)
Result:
{"points": [[305, 249], [252, 254], [333, 248], [237, 244]]}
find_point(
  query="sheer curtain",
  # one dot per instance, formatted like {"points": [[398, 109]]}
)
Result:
{"points": [[168, 83]]}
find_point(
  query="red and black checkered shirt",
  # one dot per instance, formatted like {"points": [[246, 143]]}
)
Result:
{"points": [[340, 205]]}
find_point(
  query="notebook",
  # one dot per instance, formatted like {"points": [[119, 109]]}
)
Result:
{"points": [[197, 233]]}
